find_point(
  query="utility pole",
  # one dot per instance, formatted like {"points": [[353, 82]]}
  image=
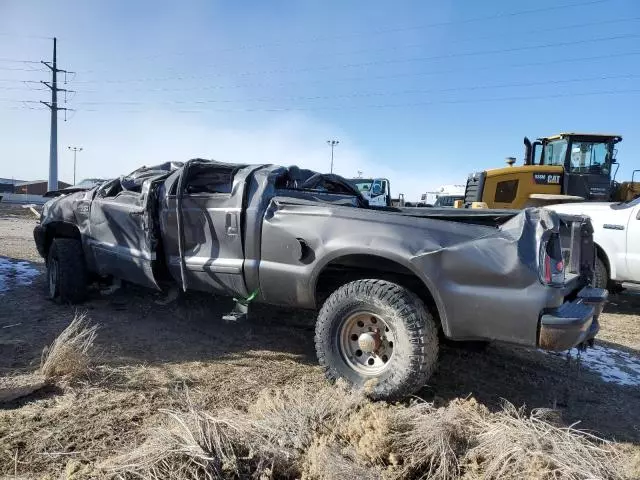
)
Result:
{"points": [[53, 106], [332, 144], [75, 150]]}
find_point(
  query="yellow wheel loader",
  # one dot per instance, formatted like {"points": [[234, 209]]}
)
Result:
{"points": [[567, 167]]}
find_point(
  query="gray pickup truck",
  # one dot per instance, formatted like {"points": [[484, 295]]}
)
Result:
{"points": [[388, 282]]}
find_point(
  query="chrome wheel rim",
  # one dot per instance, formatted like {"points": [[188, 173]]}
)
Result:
{"points": [[53, 277], [366, 343]]}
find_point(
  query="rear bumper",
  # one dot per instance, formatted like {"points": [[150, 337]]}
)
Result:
{"points": [[39, 237], [573, 322]]}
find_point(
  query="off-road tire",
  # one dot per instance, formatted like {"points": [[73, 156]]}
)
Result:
{"points": [[66, 271], [416, 337], [601, 275]]}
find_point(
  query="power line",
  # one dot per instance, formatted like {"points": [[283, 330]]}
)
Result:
{"points": [[20, 69], [374, 94], [385, 106], [12, 60], [14, 100], [25, 87], [20, 35], [556, 61], [453, 55], [374, 62], [25, 107], [378, 77], [316, 39], [450, 55], [289, 42], [536, 31], [475, 38], [371, 106], [351, 95], [481, 19]]}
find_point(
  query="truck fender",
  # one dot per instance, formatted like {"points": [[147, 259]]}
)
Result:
{"points": [[430, 289]]}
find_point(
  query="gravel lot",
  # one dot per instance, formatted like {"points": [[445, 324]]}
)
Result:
{"points": [[150, 352]]}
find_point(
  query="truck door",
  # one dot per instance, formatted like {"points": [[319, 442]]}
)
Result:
{"points": [[379, 193], [122, 233], [633, 244], [588, 171], [211, 210]]}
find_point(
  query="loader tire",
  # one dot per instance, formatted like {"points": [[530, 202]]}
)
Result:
{"points": [[378, 336]]}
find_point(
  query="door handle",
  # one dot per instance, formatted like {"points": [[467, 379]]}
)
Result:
{"points": [[231, 223]]}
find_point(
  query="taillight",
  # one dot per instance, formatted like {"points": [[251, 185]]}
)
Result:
{"points": [[551, 263]]}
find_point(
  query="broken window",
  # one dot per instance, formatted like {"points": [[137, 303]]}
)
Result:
{"points": [[210, 179]]}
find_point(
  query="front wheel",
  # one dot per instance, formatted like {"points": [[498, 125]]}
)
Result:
{"points": [[66, 271], [377, 335]]}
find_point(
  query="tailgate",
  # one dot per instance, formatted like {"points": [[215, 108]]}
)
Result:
{"points": [[578, 249]]}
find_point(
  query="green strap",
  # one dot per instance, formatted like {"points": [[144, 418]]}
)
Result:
{"points": [[251, 297]]}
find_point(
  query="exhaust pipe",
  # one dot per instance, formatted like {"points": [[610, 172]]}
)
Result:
{"points": [[527, 151]]}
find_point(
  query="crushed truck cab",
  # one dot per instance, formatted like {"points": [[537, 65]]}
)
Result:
{"points": [[385, 280]]}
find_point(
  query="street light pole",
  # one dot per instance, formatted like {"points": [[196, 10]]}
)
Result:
{"points": [[332, 144], [75, 150]]}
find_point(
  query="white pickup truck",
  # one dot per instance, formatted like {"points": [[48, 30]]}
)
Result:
{"points": [[617, 237], [376, 191]]}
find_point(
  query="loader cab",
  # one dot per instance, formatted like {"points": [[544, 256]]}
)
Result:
{"points": [[586, 160], [568, 167]]}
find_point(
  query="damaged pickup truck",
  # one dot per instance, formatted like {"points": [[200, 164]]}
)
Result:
{"points": [[388, 282]]}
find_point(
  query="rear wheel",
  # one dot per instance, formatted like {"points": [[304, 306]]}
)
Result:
{"points": [[377, 335], [66, 271]]}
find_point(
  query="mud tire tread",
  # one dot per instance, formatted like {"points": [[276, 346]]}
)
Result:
{"points": [[409, 317]]}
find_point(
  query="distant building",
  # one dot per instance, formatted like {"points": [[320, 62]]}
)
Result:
{"points": [[7, 184], [444, 191], [35, 187]]}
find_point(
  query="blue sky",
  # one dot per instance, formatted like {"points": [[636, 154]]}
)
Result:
{"points": [[420, 92]]}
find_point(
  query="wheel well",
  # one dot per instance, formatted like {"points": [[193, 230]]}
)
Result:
{"points": [[348, 268], [59, 230]]}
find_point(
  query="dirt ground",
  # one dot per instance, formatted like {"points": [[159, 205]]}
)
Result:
{"points": [[151, 353]]}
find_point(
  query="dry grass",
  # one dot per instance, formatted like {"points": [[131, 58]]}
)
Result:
{"points": [[513, 445], [70, 353], [188, 445], [83, 424], [300, 431], [432, 442], [333, 432], [630, 460], [292, 417], [281, 435], [326, 460]]}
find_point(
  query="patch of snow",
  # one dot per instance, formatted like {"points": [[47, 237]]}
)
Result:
{"points": [[612, 365], [15, 273]]}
